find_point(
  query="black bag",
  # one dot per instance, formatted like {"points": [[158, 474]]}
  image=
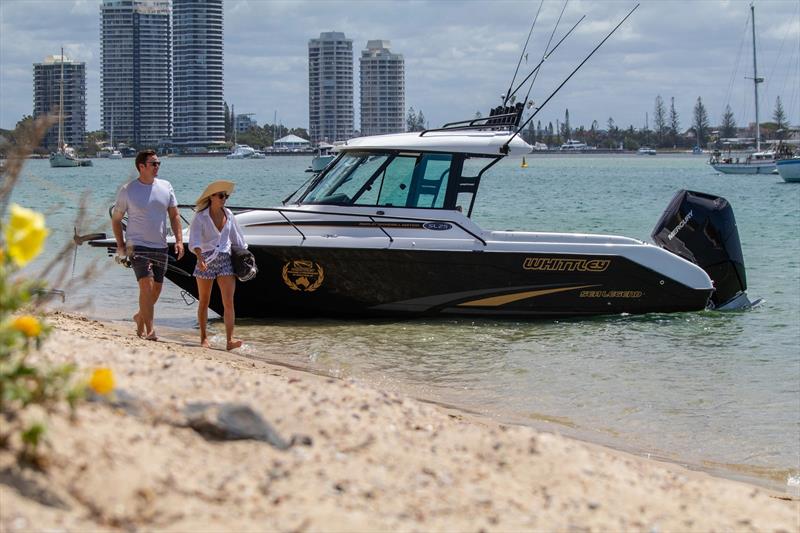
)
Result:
{"points": [[244, 263]]}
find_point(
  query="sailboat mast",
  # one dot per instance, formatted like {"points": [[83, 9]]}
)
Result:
{"points": [[61, 107], [756, 79]]}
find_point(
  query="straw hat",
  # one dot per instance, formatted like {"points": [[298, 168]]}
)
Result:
{"points": [[212, 189]]}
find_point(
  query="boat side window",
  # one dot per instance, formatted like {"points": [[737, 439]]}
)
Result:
{"points": [[429, 182], [394, 185]]}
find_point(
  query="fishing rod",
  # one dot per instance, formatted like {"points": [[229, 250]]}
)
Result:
{"points": [[547, 47], [521, 55], [504, 148], [545, 58]]}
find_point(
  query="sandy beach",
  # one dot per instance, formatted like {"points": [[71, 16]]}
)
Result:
{"points": [[358, 459]]}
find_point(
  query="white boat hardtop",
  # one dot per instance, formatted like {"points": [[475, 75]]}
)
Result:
{"points": [[467, 142]]}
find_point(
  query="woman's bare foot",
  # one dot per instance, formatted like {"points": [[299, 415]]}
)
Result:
{"points": [[139, 325], [204, 343], [233, 344]]}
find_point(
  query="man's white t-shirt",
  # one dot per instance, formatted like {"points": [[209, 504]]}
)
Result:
{"points": [[146, 206]]}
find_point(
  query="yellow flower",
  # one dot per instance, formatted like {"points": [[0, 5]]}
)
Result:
{"points": [[28, 325], [102, 381], [25, 234]]}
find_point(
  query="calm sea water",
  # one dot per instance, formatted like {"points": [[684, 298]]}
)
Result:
{"points": [[715, 391]]}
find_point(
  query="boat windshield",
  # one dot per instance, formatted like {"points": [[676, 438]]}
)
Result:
{"points": [[416, 180]]}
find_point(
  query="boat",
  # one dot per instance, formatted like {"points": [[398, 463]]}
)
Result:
{"points": [[539, 147], [758, 162], [386, 230], [322, 158], [64, 156], [574, 146], [243, 151], [115, 154], [789, 169], [646, 150]]}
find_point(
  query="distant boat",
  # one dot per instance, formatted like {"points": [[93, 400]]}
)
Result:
{"points": [[789, 169], [573, 146], [646, 150], [758, 162], [65, 156], [243, 151], [539, 147], [115, 154], [323, 158]]}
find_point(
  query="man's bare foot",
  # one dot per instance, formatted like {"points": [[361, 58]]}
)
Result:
{"points": [[151, 336], [232, 345], [139, 325], [204, 343]]}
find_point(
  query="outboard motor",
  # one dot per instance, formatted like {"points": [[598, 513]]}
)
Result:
{"points": [[702, 229]]}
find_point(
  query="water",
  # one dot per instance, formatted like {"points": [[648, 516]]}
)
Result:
{"points": [[715, 391]]}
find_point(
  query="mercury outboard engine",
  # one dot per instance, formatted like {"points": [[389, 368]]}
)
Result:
{"points": [[702, 229]]}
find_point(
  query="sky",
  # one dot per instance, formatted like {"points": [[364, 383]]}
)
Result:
{"points": [[460, 55]]}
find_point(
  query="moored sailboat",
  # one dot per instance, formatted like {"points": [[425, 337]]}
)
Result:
{"points": [[758, 162], [65, 156]]}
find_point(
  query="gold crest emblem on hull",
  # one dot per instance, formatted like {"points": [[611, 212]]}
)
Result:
{"points": [[303, 275]]}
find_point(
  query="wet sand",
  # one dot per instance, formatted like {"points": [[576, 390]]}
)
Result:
{"points": [[365, 459]]}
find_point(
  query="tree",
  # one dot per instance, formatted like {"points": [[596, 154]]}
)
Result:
{"points": [[779, 116], [420, 121], [700, 123], [660, 119], [728, 126], [674, 124], [411, 120]]}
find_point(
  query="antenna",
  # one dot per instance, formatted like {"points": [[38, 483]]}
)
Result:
{"points": [[546, 48], [504, 148], [522, 54]]}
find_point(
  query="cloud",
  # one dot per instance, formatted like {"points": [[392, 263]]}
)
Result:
{"points": [[460, 55]]}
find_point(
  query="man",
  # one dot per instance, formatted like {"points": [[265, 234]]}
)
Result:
{"points": [[147, 200]]}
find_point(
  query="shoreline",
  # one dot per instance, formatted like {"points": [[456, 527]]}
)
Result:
{"points": [[371, 460]]}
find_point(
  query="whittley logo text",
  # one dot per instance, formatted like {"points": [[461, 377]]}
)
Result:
{"points": [[555, 264]]}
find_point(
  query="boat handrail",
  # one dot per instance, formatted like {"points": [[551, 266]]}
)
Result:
{"points": [[499, 117], [282, 211]]}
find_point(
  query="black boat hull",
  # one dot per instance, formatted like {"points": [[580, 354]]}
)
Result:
{"points": [[345, 282]]}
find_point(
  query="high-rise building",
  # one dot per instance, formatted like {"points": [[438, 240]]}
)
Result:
{"points": [[199, 106], [330, 87], [136, 70], [383, 90], [47, 97]]}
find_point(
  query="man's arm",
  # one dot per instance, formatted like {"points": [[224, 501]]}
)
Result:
{"points": [[116, 226], [175, 223]]}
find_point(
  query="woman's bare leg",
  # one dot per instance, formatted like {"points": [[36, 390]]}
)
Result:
{"points": [[203, 298], [227, 286]]}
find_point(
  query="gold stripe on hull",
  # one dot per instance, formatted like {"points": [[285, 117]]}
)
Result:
{"points": [[496, 301]]}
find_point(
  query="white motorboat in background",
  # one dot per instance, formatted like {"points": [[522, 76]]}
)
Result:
{"points": [[789, 169], [323, 157], [646, 150], [243, 151], [574, 146]]}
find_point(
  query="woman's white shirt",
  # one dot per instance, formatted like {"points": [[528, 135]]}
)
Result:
{"points": [[203, 233]]}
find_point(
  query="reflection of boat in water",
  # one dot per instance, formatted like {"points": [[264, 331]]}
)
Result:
{"points": [[386, 230], [789, 169], [758, 162], [646, 150], [64, 156]]}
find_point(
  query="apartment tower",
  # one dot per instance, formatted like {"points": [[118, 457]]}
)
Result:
{"points": [[330, 87], [47, 95], [383, 90], [136, 71], [198, 102]]}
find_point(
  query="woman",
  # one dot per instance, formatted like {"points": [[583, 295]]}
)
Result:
{"points": [[212, 232]]}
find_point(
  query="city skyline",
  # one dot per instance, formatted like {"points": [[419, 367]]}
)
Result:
{"points": [[459, 56]]}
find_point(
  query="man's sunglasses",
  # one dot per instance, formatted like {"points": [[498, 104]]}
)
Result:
{"points": [[222, 195], [154, 163]]}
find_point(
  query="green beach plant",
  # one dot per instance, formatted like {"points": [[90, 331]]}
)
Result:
{"points": [[29, 390]]}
